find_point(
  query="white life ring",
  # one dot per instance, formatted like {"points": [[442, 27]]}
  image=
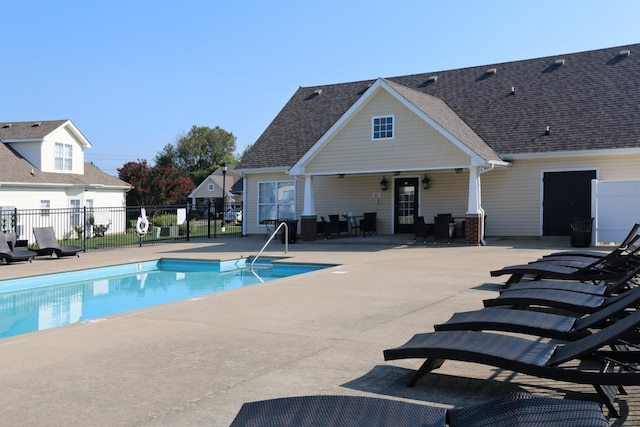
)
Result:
{"points": [[142, 226]]}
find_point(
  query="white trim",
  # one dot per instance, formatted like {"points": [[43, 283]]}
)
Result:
{"points": [[577, 153]]}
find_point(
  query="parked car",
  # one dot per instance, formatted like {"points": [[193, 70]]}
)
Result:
{"points": [[233, 215]]}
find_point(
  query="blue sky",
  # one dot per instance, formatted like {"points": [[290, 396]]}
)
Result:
{"points": [[134, 75]]}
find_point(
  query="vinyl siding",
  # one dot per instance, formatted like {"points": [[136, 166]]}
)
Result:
{"points": [[415, 145], [512, 198], [61, 135]]}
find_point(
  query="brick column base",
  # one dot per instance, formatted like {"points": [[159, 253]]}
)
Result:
{"points": [[309, 227], [472, 224]]}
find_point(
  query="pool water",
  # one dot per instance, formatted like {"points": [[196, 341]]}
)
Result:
{"points": [[42, 302]]}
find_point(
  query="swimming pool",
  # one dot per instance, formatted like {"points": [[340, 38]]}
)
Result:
{"points": [[42, 302]]}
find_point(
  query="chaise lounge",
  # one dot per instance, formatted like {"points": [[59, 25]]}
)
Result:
{"points": [[48, 244], [515, 410], [10, 255], [539, 323], [607, 370]]}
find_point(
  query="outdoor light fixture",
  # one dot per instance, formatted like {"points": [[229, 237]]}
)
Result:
{"points": [[458, 170], [383, 184], [425, 182], [340, 175]]}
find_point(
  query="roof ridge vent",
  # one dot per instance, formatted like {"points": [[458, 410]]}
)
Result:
{"points": [[492, 71], [7, 125], [625, 52], [35, 125], [317, 92], [559, 62], [432, 78]]}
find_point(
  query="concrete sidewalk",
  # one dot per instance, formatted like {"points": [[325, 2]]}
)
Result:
{"points": [[195, 362]]}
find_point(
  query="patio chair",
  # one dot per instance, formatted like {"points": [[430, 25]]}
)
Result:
{"points": [[514, 409], [48, 244], [343, 226], [610, 268], [330, 411], [599, 254], [9, 255], [628, 280], [526, 409], [539, 323], [443, 227], [368, 224], [606, 370], [420, 230], [575, 302], [329, 228]]}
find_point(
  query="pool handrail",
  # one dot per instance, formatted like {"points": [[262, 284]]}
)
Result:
{"points": [[286, 243]]}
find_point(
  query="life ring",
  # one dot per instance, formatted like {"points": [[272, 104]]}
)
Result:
{"points": [[142, 226]]}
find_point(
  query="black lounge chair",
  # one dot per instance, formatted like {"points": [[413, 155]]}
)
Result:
{"points": [[574, 302], [515, 410], [599, 254], [538, 323], [525, 409], [609, 269], [330, 411], [9, 255], [48, 244], [606, 370], [625, 282]]}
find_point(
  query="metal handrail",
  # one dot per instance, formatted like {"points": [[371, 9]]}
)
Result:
{"points": [[286, 243]]}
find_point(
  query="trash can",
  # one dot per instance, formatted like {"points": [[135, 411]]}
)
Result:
{"points": [[292, 224], [581, 232]]}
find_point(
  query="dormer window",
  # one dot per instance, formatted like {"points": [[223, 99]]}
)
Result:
{"points": [[63, 157], [382, 128]]}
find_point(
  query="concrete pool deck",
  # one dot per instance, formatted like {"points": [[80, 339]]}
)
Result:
{"points": [[195, 362]]}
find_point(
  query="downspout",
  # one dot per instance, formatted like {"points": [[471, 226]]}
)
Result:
{"points": [[480, 208]]}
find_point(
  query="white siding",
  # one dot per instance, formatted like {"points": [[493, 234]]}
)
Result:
{"points": [[63, 136]]}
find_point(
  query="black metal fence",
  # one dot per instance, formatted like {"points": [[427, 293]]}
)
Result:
{"points": [[103, 228]]}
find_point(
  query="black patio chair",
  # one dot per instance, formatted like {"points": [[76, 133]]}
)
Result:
{"points": [[9, 255], [368, 224], [48, 244], [443, 227], [607, 370], [541, 323]]}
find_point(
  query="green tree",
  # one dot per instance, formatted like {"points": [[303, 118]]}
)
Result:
{"points": [[202, 149], [167, 156]]}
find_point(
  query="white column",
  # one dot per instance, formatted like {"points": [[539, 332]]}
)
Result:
{"points": [[473, 206], [309, 207]]}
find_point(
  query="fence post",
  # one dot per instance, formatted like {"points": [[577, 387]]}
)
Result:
{"points": [[188, 218]]}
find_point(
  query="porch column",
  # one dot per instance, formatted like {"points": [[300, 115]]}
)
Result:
{"points": [[473, 230], [308, 220]]}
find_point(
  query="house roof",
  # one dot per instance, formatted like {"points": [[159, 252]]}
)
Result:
{"points": [[16, 170], [589, 100], [36, 130]]}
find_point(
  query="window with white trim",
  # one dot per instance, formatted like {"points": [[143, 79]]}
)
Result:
{"points": [[45, 205], [63, 157], [210, 187], [382, 127], [276, 200], [75, 216]]}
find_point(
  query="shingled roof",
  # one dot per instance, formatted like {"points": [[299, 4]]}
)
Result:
{"points": [[17, 170], [589, 100]]}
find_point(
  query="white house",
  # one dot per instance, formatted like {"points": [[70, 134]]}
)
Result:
{"points": [[43, 167]]}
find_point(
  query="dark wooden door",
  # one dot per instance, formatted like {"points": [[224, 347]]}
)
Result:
{"points": [[405, 204], [566, 195]]}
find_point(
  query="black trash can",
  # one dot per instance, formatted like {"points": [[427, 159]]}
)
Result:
{"points": [[581, 232], [292, 224]]}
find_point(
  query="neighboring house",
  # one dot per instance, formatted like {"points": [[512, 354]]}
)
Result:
{"points": [[43, 168], [522, 144], [210, 190]]}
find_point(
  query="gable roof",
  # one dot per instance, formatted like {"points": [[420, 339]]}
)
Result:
{"points": [[37, 130], [589, 100], [16, 170]]}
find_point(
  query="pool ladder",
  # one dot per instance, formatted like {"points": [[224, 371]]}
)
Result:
{"points": [[286, 245]]}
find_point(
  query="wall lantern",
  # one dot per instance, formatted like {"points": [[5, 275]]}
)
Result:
{"points": [[383, 184], [425, 182]]}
